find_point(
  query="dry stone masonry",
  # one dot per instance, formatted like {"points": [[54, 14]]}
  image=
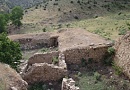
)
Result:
{"points": [[35, 41], [46, 57], [73, 46], [43, 72], [69, 84], [41, 68]]}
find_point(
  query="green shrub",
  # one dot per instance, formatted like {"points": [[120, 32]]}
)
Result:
{"points": [[10, 52], [111, 50], [55, 60], [122, 31]]}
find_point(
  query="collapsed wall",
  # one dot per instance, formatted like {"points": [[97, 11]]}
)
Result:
{"points": [[69, 84], [122, 56]]}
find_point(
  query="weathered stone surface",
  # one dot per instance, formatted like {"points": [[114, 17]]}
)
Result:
{"points": [[122, 56], [75, 55], [43, 72], [43, 57], [10, 79], [69, 84]]}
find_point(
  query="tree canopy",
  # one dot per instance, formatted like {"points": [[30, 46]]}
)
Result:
{"points": [[16, 15], [3, 23], [10, 52]]}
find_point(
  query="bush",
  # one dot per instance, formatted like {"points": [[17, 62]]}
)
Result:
{"points": [[111, 50], [122, 31], [16, 16], [10, 52], [3, 23], [55, 60]]}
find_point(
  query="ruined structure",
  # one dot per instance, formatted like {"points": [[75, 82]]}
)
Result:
{"points": [[73, 47], [35, 41], [69, 84], [42, 68], [122, 56]]}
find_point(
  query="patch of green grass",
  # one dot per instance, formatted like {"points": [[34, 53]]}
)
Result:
{"points": [[55, 60], [118, 70], [87, 82]]}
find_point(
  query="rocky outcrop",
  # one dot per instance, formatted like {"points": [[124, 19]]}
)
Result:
{"points": [[69, 84], [43, 72], [122, 56], [10, 79]]}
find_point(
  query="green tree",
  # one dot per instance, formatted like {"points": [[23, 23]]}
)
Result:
{"points": [[3, 23], [10, 52], [16, 16]]}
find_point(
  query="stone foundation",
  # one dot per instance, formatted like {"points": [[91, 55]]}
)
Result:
{"points": [[69, 84]]}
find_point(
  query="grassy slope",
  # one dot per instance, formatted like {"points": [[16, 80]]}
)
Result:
{"points": [[102, 18]]}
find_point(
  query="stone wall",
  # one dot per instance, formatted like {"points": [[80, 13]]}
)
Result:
{"points": [[62, 61], [46, 57], [69, 84], [75, 55], [122, 56], [35, 41], [43, 72]]}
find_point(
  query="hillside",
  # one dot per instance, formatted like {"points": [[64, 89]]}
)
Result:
{"points": [[6, 5], [107, 18]]}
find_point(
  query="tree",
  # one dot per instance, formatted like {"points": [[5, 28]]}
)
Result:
{"points": [[16, 16], [10, 52], [3, 23]]}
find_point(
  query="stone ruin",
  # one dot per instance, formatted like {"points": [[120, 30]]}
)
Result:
{"points": [[73, 46], [35, 41], [69, 84], [41, 68]]}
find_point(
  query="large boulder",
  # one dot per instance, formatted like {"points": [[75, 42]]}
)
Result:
{"points": [[10, 79], [122, 56]]}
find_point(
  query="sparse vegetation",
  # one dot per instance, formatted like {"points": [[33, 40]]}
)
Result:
{"points": [[111, 50], [55, 60], [118, 70], [38, 86]]}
